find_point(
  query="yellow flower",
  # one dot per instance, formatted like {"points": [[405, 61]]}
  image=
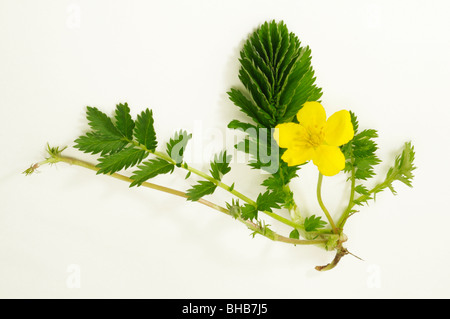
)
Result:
{"points": [[316, 138]]}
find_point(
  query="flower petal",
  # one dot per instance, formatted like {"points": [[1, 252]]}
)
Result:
{"points": [[285, 134], [329, 160], [297, 155], [312, 114], [339, 128]]}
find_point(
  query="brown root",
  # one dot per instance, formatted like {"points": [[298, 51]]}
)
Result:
{"points": [[341, 252]]}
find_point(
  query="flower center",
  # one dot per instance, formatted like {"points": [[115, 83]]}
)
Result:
{"points": [[315, 136]]}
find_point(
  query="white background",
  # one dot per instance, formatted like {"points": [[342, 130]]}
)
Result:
{"points": [[385, 60]]}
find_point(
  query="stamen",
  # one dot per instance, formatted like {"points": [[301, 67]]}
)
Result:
{"points": [[315, 136]]}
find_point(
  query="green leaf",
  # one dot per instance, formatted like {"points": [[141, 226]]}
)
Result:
{"points": [[124, 122], [176, 146], [95, 143], [105, 137], [361, 189], [298, 87], [249, 212], [269, 200], [401, 171], [277, 75], [365, 159], [220, 165], [282, 177], [313, 223], [238, 125], [248, 107], [257, 83], [355, 122], [262, 148], [294, 234], [273, 182], [121, 160], [144, 131], [259, 144], [277, 182], [360, 152], [403, 168], [201, 189], [100, 123], [363, 200], [150, 169]]}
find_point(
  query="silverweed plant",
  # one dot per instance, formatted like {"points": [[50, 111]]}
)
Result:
{"points": [[286, 127]]}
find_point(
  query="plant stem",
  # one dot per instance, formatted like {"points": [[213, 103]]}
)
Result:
{"points": [[352, 187], [219, 184], [294, 210], [350, 205], [319, 199], [255, 227], [364, 198], [74, 161], [239, 195]]}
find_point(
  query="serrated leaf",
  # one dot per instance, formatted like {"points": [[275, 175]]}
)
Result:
{"points": [[249, 212], [95, 143], [121, 160], [364, 200], [360, 152], [104, 138], [313, 223], [269, 200], [238, 125], [262, 148], [100, 123], [144, 131], [248, 107], [391, 188], [220, 165], [124, 122], [357, 202], [277, 183], [354, 121], [282, 177], [298, 87], [150, 169], [176, 146], [403, 168], [201, 189], [276, 71], [361, 189], [257, 83], [273, 182]]}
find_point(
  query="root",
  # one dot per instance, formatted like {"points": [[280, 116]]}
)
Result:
{"points": [[341, 252]]}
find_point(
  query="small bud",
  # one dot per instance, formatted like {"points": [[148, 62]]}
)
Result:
{"points": [[234, 209]]}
